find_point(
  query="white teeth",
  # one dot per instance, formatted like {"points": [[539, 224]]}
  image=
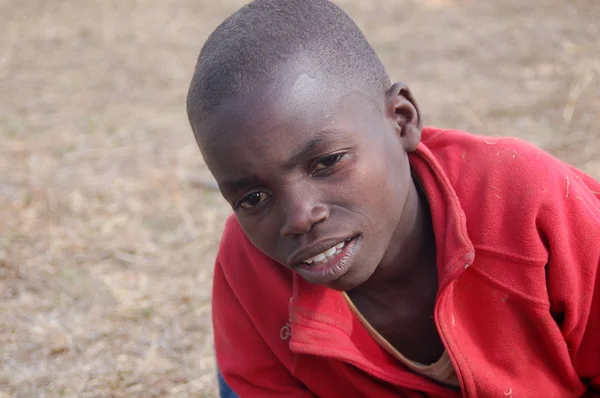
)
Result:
{"points": [[319, 257], [327, 254], [330, 252]]}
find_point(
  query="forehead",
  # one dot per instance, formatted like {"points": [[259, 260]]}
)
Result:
{"points": [[296, 101], [273, 117]]}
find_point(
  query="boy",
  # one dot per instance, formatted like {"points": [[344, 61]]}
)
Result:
{"points": [[369, 256]]}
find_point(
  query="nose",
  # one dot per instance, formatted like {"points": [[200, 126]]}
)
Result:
{"points": [[301, 214]]}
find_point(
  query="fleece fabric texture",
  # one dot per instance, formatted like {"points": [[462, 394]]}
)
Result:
{"points": [[518, 307]]}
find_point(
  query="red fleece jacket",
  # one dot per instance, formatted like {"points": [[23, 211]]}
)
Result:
{"points": [[518, 308]]}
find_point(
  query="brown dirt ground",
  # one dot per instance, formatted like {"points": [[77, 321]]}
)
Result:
{"points": [[107, 234]]}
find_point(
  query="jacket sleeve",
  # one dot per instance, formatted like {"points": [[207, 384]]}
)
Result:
{"points": [[246, 361], [571, 225]]}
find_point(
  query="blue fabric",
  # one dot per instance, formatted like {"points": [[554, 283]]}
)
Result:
{"points": [[224, 390]]}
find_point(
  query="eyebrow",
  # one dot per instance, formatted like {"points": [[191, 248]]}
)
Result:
{"points": [[239, 184], [307, 147], [236, 185]]}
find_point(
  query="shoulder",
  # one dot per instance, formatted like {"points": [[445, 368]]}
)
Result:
{"points": [[464, 154], [250, 307], [507, 188], [493, 166]]}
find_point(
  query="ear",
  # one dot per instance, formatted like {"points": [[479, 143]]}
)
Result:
{"points": [[404, 112]]}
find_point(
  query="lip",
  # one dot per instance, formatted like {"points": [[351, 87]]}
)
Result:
{"points": [[334, 268]]}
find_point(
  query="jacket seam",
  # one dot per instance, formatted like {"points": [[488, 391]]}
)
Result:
{"points": [[513, 257], [536, 302], [463, 373]]}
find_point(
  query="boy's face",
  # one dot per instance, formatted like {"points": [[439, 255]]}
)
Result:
{"points": [[317, 175]]}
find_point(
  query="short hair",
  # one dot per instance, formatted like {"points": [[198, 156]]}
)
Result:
{"points": [[252, 42]]}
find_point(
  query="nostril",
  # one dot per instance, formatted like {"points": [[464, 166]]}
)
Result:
{"points": [[302, 221], [295, 226]]}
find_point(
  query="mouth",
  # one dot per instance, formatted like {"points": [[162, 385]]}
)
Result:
{"points": [[327, 255], [330, 264]]}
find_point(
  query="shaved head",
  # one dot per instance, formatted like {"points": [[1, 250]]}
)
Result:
{"points": [[253, 45]]}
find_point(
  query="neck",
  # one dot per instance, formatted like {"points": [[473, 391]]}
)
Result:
{"points": [[410, 262]]}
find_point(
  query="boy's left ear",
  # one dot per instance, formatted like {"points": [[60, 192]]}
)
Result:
{"points": [[403, 109]]}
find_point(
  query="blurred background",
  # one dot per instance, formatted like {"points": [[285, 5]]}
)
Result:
{"points": [[109, 221]]}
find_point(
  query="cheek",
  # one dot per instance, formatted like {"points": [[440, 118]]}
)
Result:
{"points": [[375, 183], [379, 189], [262, 233]]}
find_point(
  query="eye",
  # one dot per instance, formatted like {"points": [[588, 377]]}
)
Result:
{"points": [[252, 200], [327, 162]]}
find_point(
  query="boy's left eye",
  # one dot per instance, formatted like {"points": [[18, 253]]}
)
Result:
{"points": [[327, 162]]}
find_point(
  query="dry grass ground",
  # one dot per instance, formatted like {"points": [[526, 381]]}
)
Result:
{"points": [[107, 240]]}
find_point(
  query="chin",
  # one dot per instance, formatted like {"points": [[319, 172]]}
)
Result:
{"points": [[355, 280], [346, 283]]}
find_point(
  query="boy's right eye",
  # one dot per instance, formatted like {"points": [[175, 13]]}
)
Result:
{"points": [[252, 200]]}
